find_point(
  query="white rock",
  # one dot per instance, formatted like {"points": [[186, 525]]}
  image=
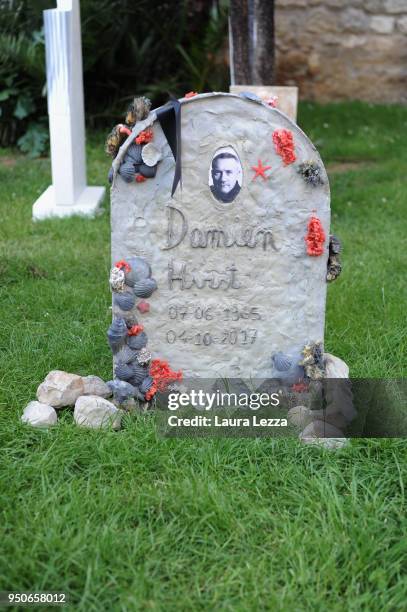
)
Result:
{"points": [[323, 434], [60, 389], [39, 415], [328, 443], [95, 412], [299, 416], [335, 367], [93, 385]]}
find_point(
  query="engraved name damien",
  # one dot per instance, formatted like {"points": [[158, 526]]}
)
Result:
{"points": [[178, 231]]}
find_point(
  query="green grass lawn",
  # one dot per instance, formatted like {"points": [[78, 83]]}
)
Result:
{"points": [[129, 521]]}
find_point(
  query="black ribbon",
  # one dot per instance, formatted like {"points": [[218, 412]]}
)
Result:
{"points": [[169, 117]]}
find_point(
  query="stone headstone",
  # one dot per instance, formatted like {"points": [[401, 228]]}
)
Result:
{"points": [[239, 253]]}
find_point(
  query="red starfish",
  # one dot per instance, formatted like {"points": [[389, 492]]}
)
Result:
{"points": [[260, 170]]}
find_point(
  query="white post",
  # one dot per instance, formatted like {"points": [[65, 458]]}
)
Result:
{"points": [[68, 194]]}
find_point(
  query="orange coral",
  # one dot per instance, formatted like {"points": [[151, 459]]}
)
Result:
{"points": [[162, 376], [135, 330], [123, 129], [315, 237], [123, 264], [144, 137], [284, 145], [300, 387], [151, 392]]}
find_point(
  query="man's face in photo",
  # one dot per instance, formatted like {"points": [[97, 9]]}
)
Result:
{"points": [[225, 171]]}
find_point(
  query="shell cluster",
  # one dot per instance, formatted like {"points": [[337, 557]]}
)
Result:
{"points": [[313, 361], [127, 340], [311, 172], [138, 163], [137, 111], [334, 266], [286, 368]]}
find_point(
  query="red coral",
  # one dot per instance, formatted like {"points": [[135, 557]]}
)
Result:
{"points": [[123, 129], [162, 376], [284, 145], [300, 387], [191, 94], [143, 306], [140, 178], [144, 137], [123, 264], [315, 237], [151, 392], [135, 330]]}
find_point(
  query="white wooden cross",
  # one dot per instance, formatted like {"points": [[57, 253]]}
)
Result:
{"points": [[69, 194]]}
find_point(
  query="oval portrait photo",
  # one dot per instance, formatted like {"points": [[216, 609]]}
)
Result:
{"points": [[225, 174]]}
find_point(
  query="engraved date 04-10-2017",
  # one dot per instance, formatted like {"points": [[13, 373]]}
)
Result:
{"points": [[239, 337], [209, 313]]}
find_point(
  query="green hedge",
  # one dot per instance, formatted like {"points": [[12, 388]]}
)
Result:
{"points": [[150, 47]]}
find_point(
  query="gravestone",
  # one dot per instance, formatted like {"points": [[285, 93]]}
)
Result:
{"points": [[239, 253]]}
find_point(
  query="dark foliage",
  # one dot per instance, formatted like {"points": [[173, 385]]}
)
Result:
{"points": [[149, 47]]}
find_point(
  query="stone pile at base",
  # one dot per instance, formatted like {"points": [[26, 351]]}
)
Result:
{"points": [[88, 396]]}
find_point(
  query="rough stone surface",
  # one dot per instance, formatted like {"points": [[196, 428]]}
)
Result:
{"points": [[96, 412], [382, 24], [363, 43], [402, 24], [39, 415], [93, 385], [238, 304], [60, 389], [335, 367]]}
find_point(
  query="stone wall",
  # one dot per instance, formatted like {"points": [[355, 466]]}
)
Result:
{"points": [[343, 49]]}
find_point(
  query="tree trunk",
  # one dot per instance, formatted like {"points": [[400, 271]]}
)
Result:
{"points": [[251, 42]]}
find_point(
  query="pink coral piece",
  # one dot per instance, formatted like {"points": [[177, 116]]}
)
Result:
{"points": [[284, 145], [272, 101], [143, 307]]}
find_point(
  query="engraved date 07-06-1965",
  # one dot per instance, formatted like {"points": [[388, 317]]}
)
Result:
{"points": [[182, 312]]}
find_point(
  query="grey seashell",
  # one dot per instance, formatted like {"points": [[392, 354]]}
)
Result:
{"points": [[123, 371], [116, 334], [282, 362], [127, 172], [147, 171], [143, 356], [146, 384], [133, 154], [139, 374], [124, 300], [145, 288], [122, 390], [138, 395], [130, 319], [140, 269], [335, 245], [126, 355], [137, 342], [150, 154], [110, 175], [250, 96]]}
